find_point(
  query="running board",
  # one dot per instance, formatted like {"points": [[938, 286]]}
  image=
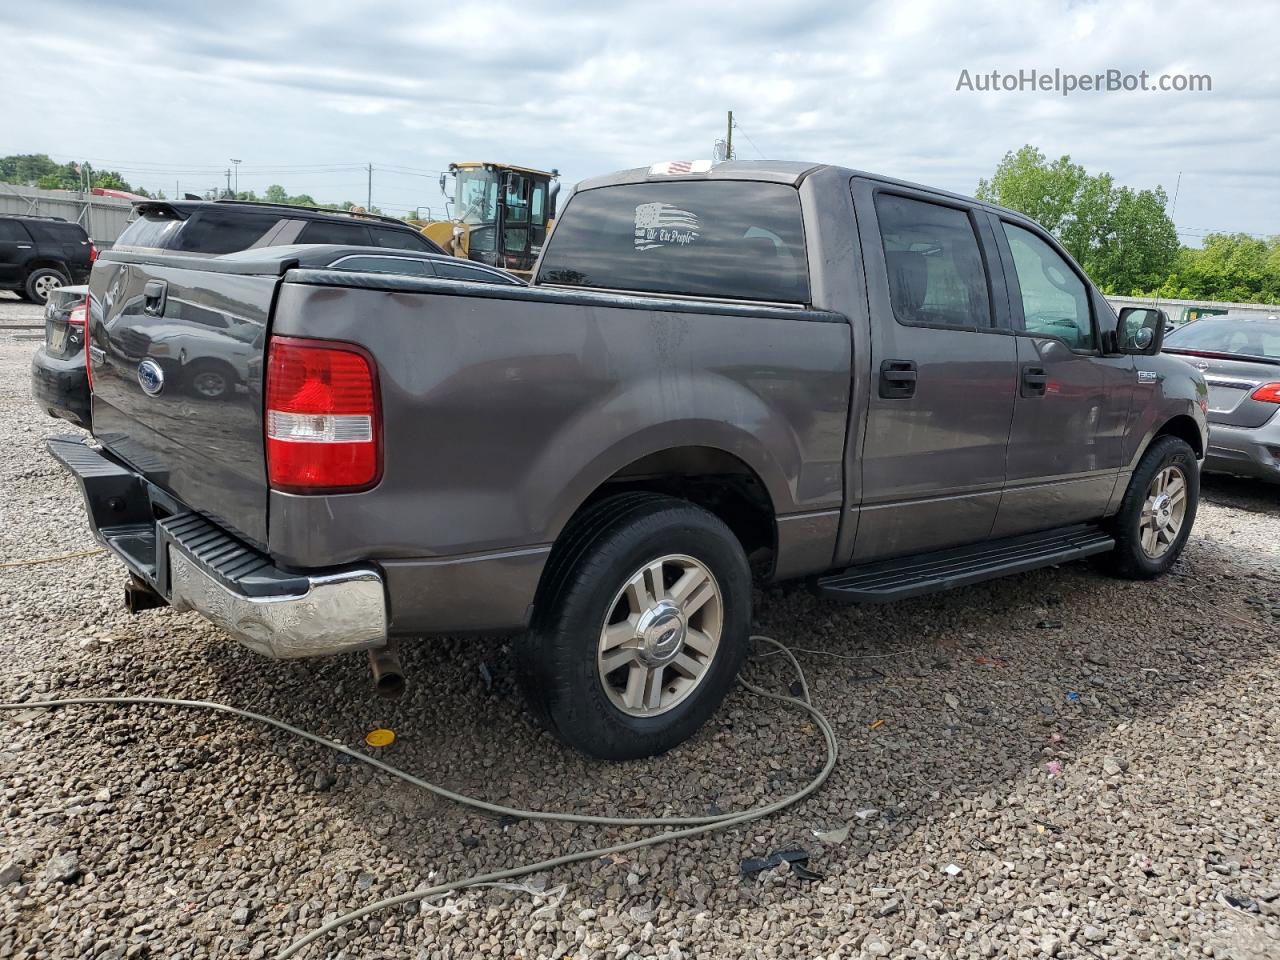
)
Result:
{"points": [[889, 580]]}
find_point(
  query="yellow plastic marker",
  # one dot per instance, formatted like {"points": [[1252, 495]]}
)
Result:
{"points": [[380, 737]]}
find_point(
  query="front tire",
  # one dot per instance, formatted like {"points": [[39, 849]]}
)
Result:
{"points": [[640, 628], [1157, 512]]}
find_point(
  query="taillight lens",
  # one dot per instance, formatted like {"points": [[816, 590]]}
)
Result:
{"points": [[324, 433], [1267, 393], [80, 315], [93, 251]]}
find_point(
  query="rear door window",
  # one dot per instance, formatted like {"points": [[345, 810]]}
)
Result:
{"points": [[217, 230], [12, 231], [726, 239], [325, 231], [935, 269]]}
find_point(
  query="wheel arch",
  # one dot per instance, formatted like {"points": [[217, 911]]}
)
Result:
{"points": [[709, 475], [46, 263], [1184, 427], [715, 479]]}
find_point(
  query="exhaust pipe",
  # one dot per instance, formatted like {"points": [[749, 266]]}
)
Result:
{"points": [[388, 675], [138, 596]]}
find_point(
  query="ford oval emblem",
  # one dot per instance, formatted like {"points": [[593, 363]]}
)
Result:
{"points": [[150, 377]]}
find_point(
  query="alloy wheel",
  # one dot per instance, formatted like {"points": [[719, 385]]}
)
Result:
{"points": [[660, 635], [46, 285], [1163, 512]]}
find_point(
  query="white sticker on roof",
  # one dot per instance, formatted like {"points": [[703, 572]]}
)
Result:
{"points": [[674, 168], [661, 224]]}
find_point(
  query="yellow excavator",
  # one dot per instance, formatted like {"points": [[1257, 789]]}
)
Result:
{"points": [[496, 213]]}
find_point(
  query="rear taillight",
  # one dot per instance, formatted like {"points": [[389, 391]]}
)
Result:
{"points": [[80, 315], [324, 430], [1267, 393], [93, 251]]}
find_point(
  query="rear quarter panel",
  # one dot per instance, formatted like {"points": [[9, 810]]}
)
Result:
{"points": [[501, 416]]}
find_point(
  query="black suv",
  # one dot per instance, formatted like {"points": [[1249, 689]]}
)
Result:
{"points": [[227, 226], [40, 254]]}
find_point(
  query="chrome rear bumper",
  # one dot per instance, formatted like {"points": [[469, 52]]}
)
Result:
{"points": [[196, 565]]}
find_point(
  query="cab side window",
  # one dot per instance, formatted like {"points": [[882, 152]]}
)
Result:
{"points": [[936, 274], [1055, 301]]}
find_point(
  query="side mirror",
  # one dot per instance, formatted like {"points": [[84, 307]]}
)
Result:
{"points": [[1141, 330]]}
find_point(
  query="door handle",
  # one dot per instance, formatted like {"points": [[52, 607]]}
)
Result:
{"points": [[897, 379], [1035, 381], [154, 294]]}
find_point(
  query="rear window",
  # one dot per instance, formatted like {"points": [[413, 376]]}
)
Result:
{"points": [[726, 239], [151, 232], [215, 230], [12, 230], [1249, 338]]}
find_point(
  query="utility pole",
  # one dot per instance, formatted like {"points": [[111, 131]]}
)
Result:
{"points": [[728, 140], [237, 163], [368, 200], [228, 181]]}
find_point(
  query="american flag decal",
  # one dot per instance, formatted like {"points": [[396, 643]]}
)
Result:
{"points": [[675, 168], [658, 224]]}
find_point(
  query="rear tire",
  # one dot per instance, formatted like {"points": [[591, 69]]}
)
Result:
{"points": [[1157, 512], [640, 627], [42, 282]]}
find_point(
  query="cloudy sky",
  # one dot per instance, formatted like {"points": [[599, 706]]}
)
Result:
{"points": [[305, 93]]}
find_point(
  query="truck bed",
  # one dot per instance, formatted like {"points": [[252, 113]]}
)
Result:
{"points": [[502, 408]]}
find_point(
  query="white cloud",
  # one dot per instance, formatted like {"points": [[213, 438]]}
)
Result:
{"points": [[590, 88]]}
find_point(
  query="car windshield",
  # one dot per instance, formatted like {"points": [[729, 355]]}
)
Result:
{"points": [[1247, 337]]}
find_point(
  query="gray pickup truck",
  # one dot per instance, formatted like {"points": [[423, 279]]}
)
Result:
{"points": [[757, 371]]}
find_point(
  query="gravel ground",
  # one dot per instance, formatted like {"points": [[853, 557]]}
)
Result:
{"points": [[1058, 764]]}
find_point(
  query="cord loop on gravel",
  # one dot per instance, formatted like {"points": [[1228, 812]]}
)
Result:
{"points": [[686, 826]]}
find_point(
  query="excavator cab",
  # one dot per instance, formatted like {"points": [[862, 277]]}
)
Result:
{"points": [[498, 214]]}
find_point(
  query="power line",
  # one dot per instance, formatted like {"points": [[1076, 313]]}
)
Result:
{"points": [[738, 127]]}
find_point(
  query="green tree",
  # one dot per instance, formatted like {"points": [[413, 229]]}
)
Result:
{"points": [[1139, 245], [1123, 238], [26, 168], [110, 180], [1025, 181], [1235, 267]]}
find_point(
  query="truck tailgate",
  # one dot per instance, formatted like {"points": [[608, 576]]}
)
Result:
{"points": [[176, 357]]}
